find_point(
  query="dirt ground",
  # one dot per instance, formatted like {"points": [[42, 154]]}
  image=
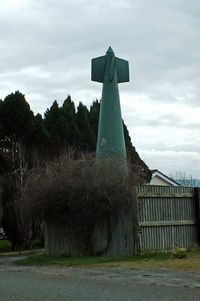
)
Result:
{"points": [[99, 283], [158, 276]]}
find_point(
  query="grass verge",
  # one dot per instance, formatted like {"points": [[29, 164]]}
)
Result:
{"points": [[6, 249], [5, 246], [148, 260]]}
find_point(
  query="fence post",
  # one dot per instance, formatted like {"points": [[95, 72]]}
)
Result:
{"points": [[136, 227], [197, 212]]}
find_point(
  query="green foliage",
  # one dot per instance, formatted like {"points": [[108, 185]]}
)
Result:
{"points": [[88, 141], [179, 253], [42, 259], [56, 124], [17, 116], [150, 260], [68, 111], [28, 141], [5, 246], [17, 128], [37, 244], [61, 128], [40, 134], [1, 118], [138, 166], [94, 116]]}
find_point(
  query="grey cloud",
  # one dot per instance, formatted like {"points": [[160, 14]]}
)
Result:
{"points": [[47, 46], [170, 120], [171, 161]]}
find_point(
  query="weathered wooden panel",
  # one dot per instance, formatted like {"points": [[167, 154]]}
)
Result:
{"points": [[113, 239], [167, 223], [160, 218], [197, 212], [121, 235], [167, 237], [148, 189], [58, 240], [166, 209], [167, 217]]}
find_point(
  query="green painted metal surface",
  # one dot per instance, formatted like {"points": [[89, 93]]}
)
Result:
{"points": [[110, 71]]}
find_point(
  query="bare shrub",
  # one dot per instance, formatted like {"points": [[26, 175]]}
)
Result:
{"points": [[18, 231], [79, 193]]}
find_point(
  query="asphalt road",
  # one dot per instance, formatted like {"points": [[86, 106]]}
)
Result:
{"points": [[95, 284]]}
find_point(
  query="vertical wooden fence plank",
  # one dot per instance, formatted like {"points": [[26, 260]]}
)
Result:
{"points": [[167, 217], [197, 211], [136, 228]]}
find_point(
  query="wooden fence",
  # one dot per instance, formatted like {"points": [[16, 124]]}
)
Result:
{"points": [[167, 217], [160, 218]]}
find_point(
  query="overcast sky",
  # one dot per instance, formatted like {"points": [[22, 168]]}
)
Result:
{"points": [[46, 49]]}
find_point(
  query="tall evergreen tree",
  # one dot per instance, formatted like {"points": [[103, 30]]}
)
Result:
{"points": [[39, 142], [69, 113], [134, 158], [17, 116], [1, 116], [40, 134], [94, 116], [88, 141], [18, 126], [57, 126]]}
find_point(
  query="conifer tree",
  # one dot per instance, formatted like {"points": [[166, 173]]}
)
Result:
{"points": [[1, 116], [94, 116], [88, 141], [69, 113], [18, 125], [39, 142], [57, 127], [17, 116], [136, 162]]}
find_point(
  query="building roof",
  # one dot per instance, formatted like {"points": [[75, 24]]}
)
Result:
{"points": [[156, 172]]}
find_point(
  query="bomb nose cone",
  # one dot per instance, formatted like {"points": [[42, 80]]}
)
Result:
{"points": [[110, 50]]}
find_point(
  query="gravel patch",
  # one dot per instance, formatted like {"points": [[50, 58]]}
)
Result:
{"points": [[122, 273]]}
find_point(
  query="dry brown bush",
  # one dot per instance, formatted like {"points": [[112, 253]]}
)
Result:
{"points": [[79, 193]]}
